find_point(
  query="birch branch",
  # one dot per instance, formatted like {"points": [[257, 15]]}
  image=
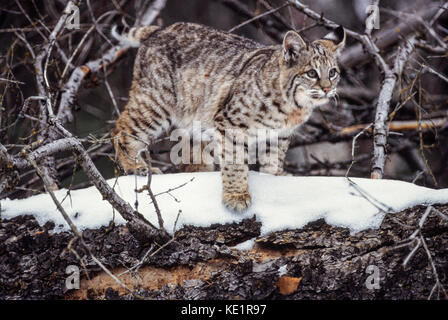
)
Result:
{"points": [[384, 38], [380, 131], [137, 223], [386, 92], [365, 39], [78, 234], [71, 87], [369, 21], [43, 88]]}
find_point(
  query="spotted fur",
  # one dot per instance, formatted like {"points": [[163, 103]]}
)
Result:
{"points": [[188, 72]]}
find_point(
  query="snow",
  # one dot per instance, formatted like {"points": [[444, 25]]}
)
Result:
{"points": [[282, 270], [279, 202], [245, 245]]}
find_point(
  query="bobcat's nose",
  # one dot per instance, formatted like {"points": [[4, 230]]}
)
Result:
{"points": [[326, 90]]}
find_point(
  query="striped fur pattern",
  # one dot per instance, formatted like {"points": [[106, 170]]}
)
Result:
{"points": [[188, 72]]}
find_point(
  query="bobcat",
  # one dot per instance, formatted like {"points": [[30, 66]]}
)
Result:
{"points": [[188, 72]]}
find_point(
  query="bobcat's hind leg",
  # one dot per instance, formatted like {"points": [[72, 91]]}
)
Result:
{"points": [[132, 145], [130, 153], [149, 112]]}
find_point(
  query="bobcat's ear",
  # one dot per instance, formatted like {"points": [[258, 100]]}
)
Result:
{"points": [[293, 44], [335, 40]]}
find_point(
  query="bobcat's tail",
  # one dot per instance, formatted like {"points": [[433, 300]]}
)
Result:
{"points": [[135, 36]]}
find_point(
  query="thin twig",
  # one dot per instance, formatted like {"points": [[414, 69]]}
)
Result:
{"points": [[258, 17]]}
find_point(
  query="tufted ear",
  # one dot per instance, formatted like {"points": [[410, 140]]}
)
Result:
{"points": [[335, 40], [293, 44]]}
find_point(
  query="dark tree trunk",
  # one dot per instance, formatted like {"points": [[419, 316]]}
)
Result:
{"points": [[316, 262]]}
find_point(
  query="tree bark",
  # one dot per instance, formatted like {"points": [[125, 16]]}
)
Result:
{"points": [[316, 262]]}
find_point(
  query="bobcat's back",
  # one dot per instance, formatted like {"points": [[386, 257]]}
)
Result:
{"points": [[195, 67]]}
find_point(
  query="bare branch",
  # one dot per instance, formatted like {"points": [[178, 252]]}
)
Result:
{"points": [[380, 131], [258, 17], [72, 85]]}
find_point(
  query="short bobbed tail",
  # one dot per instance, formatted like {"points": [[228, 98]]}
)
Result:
{"points": [[135, 36]]}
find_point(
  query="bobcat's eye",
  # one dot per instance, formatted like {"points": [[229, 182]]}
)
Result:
{"points": [[332, 72], [312, 73]]}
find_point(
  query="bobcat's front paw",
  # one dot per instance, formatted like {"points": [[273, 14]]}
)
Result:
{"points": [[237, 201]]}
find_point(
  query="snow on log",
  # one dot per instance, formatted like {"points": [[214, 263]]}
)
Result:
{"points": [[279, 202]]}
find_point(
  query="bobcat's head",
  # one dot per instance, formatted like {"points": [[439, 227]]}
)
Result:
{"points": [[309, 70]]}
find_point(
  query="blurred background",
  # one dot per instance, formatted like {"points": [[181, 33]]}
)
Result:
{"points": [[321, 147]]}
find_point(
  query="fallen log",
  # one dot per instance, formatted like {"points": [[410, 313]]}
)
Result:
{"points": [[318, 261]]}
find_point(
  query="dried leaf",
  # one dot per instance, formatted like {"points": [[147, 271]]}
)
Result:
{"points": [[287, 285]]}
